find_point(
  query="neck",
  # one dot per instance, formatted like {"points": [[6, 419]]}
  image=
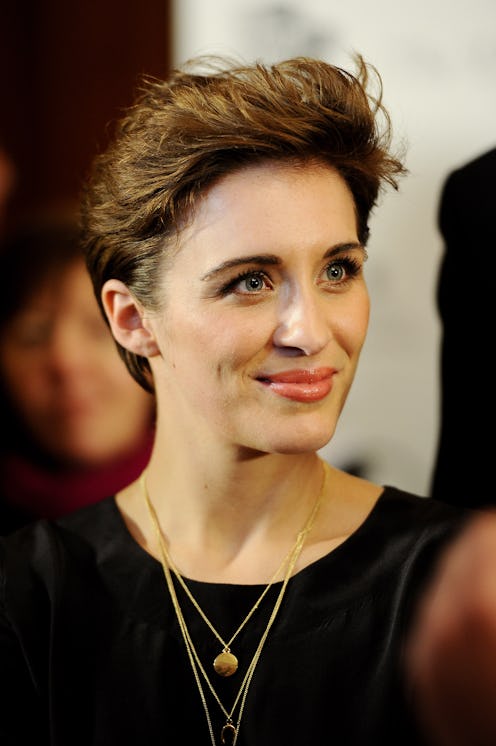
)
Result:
{"points": [[231, 520]]}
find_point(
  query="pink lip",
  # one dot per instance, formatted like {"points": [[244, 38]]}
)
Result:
{"points": [[300, 385]]}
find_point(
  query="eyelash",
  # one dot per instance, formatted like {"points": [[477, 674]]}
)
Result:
{"points": [[231, 285], [352, 267]]}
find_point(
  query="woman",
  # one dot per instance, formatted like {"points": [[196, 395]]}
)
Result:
{"points": [[75, 426], [241, 590]]}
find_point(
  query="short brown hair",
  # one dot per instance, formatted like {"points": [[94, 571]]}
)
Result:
{"points": [[209, 119]]}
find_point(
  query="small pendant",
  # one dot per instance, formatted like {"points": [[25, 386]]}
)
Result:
{"points": [[226, 663], [228, 734]]}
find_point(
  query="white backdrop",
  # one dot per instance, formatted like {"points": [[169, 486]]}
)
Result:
{"points": [[437, 59]]}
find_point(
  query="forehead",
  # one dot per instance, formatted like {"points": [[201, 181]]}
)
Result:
{"points": [[267, 203]]}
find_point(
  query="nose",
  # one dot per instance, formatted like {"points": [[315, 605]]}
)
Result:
{"points": [[302, 325]]}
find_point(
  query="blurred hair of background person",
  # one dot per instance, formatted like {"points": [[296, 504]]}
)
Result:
{"points": [[75, 426], [462, 471]]}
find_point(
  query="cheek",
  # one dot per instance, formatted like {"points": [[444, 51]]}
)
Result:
{"points": [[353, 324], [213, 341], [22, 377]]}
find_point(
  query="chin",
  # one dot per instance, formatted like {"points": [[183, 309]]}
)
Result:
{"points": [[301, 441], [298, 449], [82, 454]]}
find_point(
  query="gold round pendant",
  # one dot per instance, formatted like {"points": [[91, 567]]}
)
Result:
{"points": [[225, 664]]}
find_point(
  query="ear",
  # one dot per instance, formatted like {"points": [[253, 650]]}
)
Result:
{"points": [[127, 321]]}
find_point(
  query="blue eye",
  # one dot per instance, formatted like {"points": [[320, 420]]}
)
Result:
{"points": [[248, 283], [335, 271], [253, 282], [341, 271]]}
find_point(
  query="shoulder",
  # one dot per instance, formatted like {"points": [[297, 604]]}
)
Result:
{"points": [[83, 523], [411, 535], [410, 509], [393, 512], [387, 530], [417, 528], [393, 552], [53, 573], [36, 558]]}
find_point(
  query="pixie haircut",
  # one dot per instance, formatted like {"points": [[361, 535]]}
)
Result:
{"points": [[209, 119]]}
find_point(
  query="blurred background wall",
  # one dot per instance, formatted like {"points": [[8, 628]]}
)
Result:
{"points": [[437, 59]]}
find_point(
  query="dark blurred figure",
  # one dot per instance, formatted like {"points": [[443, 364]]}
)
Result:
{"points": [[75, 426], [462, 473], [7, 183]]}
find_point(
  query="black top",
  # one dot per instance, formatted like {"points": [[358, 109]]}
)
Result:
{"points": [[91, 653]]}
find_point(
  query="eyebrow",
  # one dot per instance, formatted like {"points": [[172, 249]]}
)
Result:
{"points": [[273, 260]]}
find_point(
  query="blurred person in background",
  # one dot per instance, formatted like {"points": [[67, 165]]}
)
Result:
{"points": [[7, 184], [462, 472], [75, 426]]}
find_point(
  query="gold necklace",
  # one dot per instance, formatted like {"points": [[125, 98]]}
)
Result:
{"points": [[225, 663], [229, 733]]}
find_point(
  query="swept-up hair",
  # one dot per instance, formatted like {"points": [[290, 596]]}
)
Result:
{"points": [[211, 118]]}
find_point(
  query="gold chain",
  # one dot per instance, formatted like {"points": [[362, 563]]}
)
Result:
{"points": [[229, 730], [226, 646]]}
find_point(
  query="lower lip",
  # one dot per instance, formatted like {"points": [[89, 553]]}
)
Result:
{"points": [[302, 392]]}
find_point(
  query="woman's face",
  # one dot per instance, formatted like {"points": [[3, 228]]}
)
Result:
{"points": [[64, 376], [265, 311]]}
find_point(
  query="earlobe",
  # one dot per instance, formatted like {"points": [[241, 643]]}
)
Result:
{"points": [[126, 319]]}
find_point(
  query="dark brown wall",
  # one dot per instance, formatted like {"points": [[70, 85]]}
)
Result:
{"points": [[66, 71]]}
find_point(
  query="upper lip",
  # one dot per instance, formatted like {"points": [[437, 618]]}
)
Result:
{"points": [[298, 375]]}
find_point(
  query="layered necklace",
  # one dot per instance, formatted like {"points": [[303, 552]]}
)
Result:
{"points": [[226, 663]]}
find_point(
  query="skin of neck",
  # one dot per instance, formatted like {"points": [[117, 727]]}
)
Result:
{"points": [[222, 509]]}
